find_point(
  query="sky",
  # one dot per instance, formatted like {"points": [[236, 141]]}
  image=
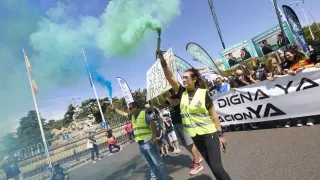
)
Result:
{"points": [[52, 33]]}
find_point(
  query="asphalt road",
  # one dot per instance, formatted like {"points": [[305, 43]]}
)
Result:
{"points": [[267, 154]]}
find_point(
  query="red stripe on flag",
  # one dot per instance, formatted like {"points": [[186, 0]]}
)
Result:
{"points": [[34, 85]]}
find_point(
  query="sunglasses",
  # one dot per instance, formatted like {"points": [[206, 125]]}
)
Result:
{"points": [[186, 77]]}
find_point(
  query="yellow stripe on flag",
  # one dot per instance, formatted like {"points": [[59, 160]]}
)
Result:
{"points": [[27, 63], [34, 86]]}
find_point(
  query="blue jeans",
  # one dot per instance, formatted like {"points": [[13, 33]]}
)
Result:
{"points": [[151, 154]]}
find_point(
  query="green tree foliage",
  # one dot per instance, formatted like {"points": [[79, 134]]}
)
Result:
{"points": [[9, 143], [67, 119], [90, 106], [28, 131], [139, 96], [315, 31]]}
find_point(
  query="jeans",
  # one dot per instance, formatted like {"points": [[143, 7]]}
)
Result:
{"points": [[209, 147], [151, 154], [131, 136], [94, 150], [113, 146]]}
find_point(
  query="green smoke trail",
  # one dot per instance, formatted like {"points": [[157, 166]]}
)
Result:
{"points": [[53, 42], [128, 21]]}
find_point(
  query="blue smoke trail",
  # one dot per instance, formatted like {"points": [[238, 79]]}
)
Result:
{"points": [[97, 77]]}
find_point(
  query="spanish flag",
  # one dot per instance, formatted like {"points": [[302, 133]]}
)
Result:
{"points": [[34, 85], [27, 62], [28, 65]]}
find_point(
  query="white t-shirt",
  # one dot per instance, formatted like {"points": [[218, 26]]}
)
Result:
{"points": [[89, 144]]}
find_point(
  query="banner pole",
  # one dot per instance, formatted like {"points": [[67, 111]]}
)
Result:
{"points": [[275, 4], [93, 87], [214, 15]]}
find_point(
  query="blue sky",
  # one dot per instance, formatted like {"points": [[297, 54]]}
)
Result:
{"points": [[239, 20]]}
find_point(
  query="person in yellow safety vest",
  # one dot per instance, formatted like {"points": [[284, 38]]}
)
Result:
{"points": [[144, 129], [199, 117]]}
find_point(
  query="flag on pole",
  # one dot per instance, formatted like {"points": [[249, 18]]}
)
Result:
{"points": [[282, 16], [33, 82], [34, 90], [125, 90], [34, 85], [27, 63]]}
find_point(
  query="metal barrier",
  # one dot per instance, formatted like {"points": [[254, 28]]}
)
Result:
{"points": [[70, 154]]}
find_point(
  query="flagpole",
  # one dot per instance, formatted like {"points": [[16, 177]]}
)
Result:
{"points": [[214, 15], [38, 114], [275, 4], [93, 87]]}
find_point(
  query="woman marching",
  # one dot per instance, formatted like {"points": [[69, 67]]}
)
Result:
{"points": [[199, 117]]}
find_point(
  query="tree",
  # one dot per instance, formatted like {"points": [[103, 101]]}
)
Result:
{"points": [[29, 132], [315, 31], [68, 116], [9, 143], [139, 96], [90, 106]]}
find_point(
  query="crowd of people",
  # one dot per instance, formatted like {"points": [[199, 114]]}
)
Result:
{"points": [[188, 113], [288, 62]]}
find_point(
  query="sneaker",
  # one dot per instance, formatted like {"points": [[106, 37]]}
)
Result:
{"points": [[120, 148], [310, 122], [193, 162], [93, 162], [178, 151], [110, 154], [299, 124], [287, 124], [196, 170], [154, 178]]}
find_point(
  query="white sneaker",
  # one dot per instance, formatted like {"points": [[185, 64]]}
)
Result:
{"points": [[287, 124], [120, 148], [310, 122], [178, 151], [93, 162], [110, 154], [299, 124]]}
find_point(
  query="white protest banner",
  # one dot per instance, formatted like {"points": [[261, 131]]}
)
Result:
{"points": [[286, 97], [125, 90], [156, 81]]}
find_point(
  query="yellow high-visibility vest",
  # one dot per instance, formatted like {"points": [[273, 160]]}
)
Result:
{"points": [[195, 116], [141, 130]]}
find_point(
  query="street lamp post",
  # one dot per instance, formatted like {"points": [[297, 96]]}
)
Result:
{"points": [[305, 16], [314, 20]]}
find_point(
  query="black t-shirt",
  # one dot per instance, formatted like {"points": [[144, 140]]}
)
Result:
{"points": [[315, 57], [238, 83], [175, 114], [260, 74], [168, 125]]}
